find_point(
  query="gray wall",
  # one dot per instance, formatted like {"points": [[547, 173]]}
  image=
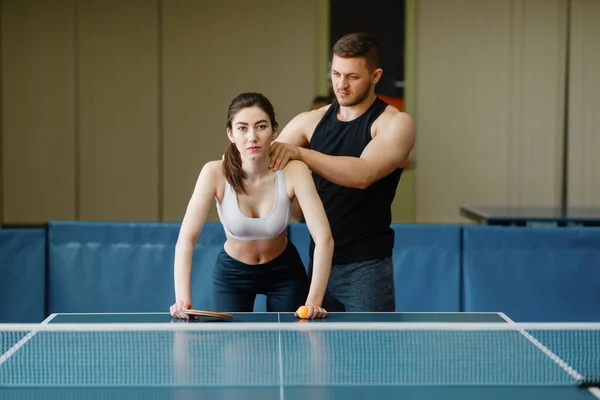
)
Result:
{"points": [[110, 108], [488, 98]]}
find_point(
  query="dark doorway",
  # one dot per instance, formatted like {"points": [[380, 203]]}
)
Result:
{"points": [[385, 20]]}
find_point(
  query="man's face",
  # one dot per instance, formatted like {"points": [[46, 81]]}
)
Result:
{"points": [[352, 80]]}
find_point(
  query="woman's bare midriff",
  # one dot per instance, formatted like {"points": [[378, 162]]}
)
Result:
{"points": [[256, 252]]}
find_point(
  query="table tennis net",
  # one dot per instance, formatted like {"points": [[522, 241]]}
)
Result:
{"points": [[229, 354]]}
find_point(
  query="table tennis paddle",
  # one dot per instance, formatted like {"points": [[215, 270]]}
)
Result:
{"points": [[205, 315]]}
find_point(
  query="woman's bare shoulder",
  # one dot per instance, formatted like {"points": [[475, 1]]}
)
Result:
{"points": [[295, 168], [213, 168]]}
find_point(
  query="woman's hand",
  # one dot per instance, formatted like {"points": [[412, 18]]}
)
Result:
{"points": [[311, 311], [177, 309]]}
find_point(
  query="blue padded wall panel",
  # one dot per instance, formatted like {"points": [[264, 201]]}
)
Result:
{"points": [[299, 235], [124, 267], [260, 303], [533, 274], [22, 275], [427, 268]]}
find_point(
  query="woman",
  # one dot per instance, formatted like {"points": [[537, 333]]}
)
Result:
{"points": [[255, 205]]}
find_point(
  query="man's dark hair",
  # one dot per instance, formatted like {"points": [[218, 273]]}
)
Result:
{"points": [[358, 44]]}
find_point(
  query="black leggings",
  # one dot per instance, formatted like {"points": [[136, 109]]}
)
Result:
{"points": [[283, 280]]}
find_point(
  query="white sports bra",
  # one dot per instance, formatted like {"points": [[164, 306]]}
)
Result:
{"points": [[239, 226]]}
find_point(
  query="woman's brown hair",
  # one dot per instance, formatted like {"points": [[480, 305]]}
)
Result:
{"points": [[232, 162]]}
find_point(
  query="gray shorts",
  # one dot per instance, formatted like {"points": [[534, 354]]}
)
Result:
{"points": [[365, 286]]}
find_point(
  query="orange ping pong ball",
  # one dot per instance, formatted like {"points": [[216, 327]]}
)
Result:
{"points": [[302, 312]]}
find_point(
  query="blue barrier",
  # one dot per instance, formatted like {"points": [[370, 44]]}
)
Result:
{"points": [[22, 275], [299, 235], [426, 265], [427, 268], [124, 267], [533, 274]]}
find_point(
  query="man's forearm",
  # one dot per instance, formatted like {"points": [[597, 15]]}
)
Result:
{"points": [[344, 171]]}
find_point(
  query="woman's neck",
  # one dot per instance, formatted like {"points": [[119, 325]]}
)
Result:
{"points": [[256, 169]]}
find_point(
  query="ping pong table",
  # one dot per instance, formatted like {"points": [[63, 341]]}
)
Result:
{"points": [[532, 216], [344, 356]]}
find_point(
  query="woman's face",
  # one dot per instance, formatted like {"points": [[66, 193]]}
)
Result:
{"points": [[252, 133]]}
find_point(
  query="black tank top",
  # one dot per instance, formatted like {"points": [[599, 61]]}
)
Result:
{"points": [[359, 218]]}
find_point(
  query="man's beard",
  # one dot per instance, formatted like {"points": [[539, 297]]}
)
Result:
{"points": [[359, 99]]}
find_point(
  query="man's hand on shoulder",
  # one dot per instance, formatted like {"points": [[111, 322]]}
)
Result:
{"points": [[295, 136], [281, 153]]}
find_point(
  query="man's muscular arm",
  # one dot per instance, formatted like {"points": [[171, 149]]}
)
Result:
{"points": [[389, 150]]}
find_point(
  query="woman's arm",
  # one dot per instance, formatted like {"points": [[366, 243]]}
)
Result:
{"points": [[191, 226], [318, 225]]}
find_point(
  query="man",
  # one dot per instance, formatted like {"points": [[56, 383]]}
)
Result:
{"points": [[356, 149]]}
